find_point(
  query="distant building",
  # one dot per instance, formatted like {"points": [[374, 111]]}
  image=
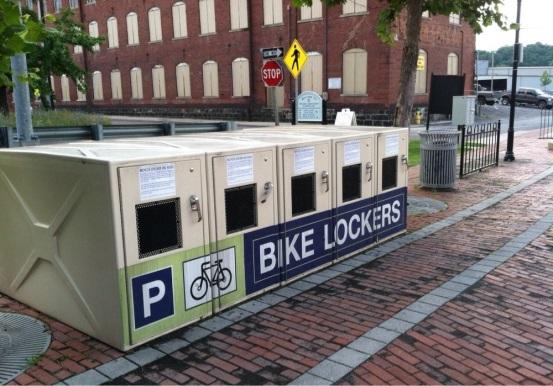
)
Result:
{"points": [[201, 58], [527, 77]]}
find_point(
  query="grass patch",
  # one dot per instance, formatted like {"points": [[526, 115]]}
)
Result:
{"points": [[51, 118], [414, 152]]}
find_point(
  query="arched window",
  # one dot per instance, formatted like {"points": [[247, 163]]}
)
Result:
{"points": [[97, 86], [136, 83], [452, 64], [65, 88], [93, 32], [158, 81], [207, 17], [113, 35], [183, 80], [179, 20], [238, 14], [312, 73], [116, 92], [315, 11], [211, 79], [355, 72], [240, 77], [154, 20], [132, 29], [420, 76]]}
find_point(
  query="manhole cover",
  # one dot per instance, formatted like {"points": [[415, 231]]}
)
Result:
{"points": [[424, 205], [22, 340]]}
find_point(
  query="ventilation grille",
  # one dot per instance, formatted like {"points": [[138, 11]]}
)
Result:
{"points": [[303, 194], [389, 172], [241, 208], [351, 182], [158, 225]]}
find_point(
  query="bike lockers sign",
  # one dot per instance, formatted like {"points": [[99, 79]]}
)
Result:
{"points": [[164, 228]]}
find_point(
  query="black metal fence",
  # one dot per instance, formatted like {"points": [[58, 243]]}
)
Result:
{"points": [[546, 124], [8, 135], [479, 147]]}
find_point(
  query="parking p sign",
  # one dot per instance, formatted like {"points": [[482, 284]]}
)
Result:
{"points": [[152, 295]]}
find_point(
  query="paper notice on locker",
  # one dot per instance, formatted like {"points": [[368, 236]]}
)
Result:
{"points": [[304, 160], [392, 145], [239, 169], [352, 152], [157, 181]]}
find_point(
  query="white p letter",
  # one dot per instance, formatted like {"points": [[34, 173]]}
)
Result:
{"points": [[148, 299]]}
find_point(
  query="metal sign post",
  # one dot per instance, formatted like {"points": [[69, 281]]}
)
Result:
{"points": [[295, 59], [272, 75]]}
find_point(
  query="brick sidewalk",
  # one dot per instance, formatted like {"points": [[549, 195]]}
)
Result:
{"points": [[497, 331]]}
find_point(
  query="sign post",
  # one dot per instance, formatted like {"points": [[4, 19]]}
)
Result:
{"points": [[272, 75], [295, 59]]}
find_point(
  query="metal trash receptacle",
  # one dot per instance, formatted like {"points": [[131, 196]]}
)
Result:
{"points": [[438, 158]]}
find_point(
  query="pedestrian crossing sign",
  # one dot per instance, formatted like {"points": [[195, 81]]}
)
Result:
{"points": [[295, 58]]}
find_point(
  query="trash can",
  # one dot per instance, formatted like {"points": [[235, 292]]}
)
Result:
{"points": [[438, 156]]}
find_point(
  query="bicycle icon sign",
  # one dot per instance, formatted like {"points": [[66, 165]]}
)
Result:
{"points": [[211, 275]]}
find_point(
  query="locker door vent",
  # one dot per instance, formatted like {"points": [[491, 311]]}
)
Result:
{"points": [[158, 225], [303, 194], [351, 182], [389, 173], [241, 207]]}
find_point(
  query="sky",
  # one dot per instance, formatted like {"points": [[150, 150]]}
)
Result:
{"points": [[536, 25]]}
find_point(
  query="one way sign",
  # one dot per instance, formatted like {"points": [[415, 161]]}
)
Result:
{"points": [[272, 53]]}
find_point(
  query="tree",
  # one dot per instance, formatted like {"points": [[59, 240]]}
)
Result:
{"points": [[477, 13], [535, 55], [545, 79], [53, 57]]}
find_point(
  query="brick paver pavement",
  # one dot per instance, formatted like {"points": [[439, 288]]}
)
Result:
{"points": [[498, 331]]}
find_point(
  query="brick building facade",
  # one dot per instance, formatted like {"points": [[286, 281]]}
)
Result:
{"points": [[201, 58]]}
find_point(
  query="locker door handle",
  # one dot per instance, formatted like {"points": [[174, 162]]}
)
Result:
{"points": [[404, 159], [326, 180], [369, 169], [267, 189], [195, 206]]}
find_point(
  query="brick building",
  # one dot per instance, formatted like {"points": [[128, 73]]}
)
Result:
{"points": [[201, 58]]}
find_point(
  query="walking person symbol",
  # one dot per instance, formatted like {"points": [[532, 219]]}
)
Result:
{"points": [[296, 55]]}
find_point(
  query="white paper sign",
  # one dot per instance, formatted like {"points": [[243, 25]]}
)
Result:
{"points": [[209, 277], [157, 181], [304, 160], [392, 145], [334, 83], [239, 169], [352, 152], [345, 117]]}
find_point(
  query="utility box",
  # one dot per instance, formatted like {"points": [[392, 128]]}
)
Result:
{"points": [[464, 110], [97, 235]]}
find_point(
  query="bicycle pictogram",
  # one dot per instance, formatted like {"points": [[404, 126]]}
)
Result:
{"points": [[221, 277]]}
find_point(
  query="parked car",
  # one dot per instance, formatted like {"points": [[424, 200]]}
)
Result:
{"points": [[529, 96], [486, 97]]}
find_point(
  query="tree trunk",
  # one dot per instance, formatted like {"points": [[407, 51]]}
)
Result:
{"points": [[406, 94], [4, 104]]}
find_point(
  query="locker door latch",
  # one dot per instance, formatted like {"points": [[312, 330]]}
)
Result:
{"points": [[369, 169], [326, 180], [195, 206], [267, 189], [404, 159]]}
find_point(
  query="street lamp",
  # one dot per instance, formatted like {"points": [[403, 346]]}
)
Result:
{"points": [[509, 154]]}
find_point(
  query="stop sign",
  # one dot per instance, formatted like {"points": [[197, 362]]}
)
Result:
{"points": [[271, 73]]}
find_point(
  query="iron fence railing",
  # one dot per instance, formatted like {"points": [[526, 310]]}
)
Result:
{"points": [[546, 124], [479, 147]]}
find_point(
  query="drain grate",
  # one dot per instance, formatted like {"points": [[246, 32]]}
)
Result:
{"points": [[22, 338]]}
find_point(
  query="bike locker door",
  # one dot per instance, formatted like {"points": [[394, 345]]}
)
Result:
{"points": [[165, 239], [246, 224], [355, 194], [391, 199], [307, 239]]}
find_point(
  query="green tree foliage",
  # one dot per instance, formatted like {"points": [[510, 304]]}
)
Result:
{"points": [[477, 13], [545, 79], [535, 55], [54, 57]]}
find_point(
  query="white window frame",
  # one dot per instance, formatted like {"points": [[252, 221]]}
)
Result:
{"points": [[359, 58], [312, 77], [454, 18], [65, 94], [354, 7], [182, 74], [180, 28], [137, 91], [154, 24], [272, 12], [133, 37], [113, 32], [452, 64], [73, 4], [158, 82], [207, 17], [238, 15], [210, 74], [116, 88], [97, 86], [314, 12], [93, 32], [240, 77]]}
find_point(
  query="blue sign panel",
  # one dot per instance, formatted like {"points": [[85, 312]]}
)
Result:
{"points": [[281, 252], [152, 295]]}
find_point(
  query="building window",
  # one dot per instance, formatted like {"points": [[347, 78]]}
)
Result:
{"points": [[240, 77], [65, 88], [57, 5], [179, 20], [351, 7], [313, 12], [132, 29], [452, 64], [426, 14], [52, 84], [454, 18], [312, 73], [183, 80], [93, 32], [154, 20], [272, 12], [81, 96], [136, 83], [207, 17], [97, 86], [211, 79], [73, 4], [238, 14], [420, 76], [89, 2], [113, 35], [355, 72], [116, 92], [78, 49], [158, 81]]}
